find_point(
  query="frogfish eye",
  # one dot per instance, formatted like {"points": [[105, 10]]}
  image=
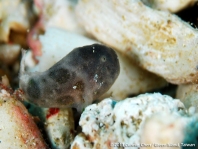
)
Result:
{"points": [[103, 58]]}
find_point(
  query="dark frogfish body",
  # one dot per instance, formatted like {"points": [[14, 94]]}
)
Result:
{"points": [[75, 81]]}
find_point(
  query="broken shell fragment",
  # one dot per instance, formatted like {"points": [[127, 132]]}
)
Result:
{"points": [[59, 126], [18, 130], [153, 38]]}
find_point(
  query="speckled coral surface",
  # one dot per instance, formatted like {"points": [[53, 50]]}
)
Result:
{"points": [[108, 122]]}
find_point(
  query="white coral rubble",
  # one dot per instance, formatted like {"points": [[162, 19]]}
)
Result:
{"points": [[188, 94], [172, 6], [151, 37], [167, 131], [107, 123], [60, 13]]}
